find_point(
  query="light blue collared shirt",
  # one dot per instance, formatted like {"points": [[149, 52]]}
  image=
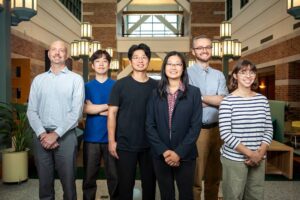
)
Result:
{"points": [[210, 82], [55, 101]]}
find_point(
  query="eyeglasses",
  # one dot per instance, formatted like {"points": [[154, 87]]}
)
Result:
{"points": [[174, 64], [203, 48], [139, 58], [247, 73]]}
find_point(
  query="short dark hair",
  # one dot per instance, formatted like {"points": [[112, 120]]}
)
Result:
{"points": [[141, 46], [240, 65], [164, 82], [99, 54], [200, 37]]}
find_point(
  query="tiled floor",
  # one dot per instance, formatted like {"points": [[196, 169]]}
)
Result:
{"points": [[274, 190]]}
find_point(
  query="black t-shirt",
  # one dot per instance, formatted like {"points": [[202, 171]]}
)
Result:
{"points": [[131, 97]]}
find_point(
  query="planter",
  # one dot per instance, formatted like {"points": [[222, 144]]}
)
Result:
{"points": [[14, 166]]}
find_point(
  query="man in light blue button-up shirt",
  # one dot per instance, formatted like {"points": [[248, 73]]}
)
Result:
{"points": [[213, 88], [54, 108]]}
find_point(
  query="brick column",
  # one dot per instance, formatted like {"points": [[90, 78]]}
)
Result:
{"points": [[287, 87]]}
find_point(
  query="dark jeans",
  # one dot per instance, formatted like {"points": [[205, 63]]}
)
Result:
{"points": [[92, 154], [126, 166], [184, 176], [63, 159]]}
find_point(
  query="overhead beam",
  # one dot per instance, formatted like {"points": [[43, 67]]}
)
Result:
{"points": [[161, 55], [125, 72], [138, 23], [122, 4], [185, 5], [167, 24]]}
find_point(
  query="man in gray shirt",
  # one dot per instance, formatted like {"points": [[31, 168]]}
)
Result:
{"points": [[54, 108], [213, 88]]}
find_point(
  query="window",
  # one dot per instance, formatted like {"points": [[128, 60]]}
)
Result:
{"points": [[228, 9], [74, 6], [160, 25], [244, 2]]}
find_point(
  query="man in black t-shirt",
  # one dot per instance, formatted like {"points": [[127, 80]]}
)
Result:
{"points": [[126, 125]]}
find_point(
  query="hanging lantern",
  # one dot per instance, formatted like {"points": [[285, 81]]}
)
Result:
{"points": [[86, 30], [75, 49], [110, 51], [216, 49], [1, 5], [293, 8], [227, 46], [84, 47], [94, 46], [225, 30], [237, 49], [191, 62], [24, 9], [114, 65]]}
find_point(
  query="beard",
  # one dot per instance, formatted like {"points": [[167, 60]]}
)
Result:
{"points": [[204, 60]]}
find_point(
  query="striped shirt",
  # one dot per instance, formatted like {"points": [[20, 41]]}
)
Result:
{"points": [[246, 121]]}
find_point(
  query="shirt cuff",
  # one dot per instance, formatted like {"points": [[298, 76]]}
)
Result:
{"points": [[40, 131], [59, 132]]}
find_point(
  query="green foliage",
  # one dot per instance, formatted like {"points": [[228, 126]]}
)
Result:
{"points": [[14, 125]]}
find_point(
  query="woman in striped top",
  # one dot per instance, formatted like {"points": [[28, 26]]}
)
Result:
{"points": [[246, 129]]}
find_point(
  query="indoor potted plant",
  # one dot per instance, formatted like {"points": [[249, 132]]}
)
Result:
{"points": [[15, 127]]}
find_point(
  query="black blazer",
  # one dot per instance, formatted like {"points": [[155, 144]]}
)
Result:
{"points": [[185, 127]]}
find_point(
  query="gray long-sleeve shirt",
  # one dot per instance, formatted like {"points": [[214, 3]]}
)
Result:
{"points": [[55, 101]]}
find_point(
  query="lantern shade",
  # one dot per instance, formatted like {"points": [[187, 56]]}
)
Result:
{"points": [[227, 46], [14, 20], [225, 30], [237, 49], [84, 47], [293, 8], [114, 65], [1, 5], [24, 9], [94, 46], [110, 51], [191, 62], [75, 49], [86, 30], [216, 49]]}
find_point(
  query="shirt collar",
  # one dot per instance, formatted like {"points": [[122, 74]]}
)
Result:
{"points": [[207, 69], [181, 88], [64, 70]]}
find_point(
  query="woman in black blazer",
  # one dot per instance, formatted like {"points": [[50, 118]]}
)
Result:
{"points": [[174, 118]]}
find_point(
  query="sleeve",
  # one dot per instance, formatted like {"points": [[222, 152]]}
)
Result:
{"points": [[32, 110], [87, 92], [77, 105], [151, 129], [268, 134], [225, 117], [222, 89], [114, 98], [184, 148]]}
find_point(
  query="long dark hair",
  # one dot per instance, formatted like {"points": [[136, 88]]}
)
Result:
{"points": [[164, 82], [240, 65]]}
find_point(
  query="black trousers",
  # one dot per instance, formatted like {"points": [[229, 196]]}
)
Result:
{"points": [[92, 154], [126, 166], [184, 176]]}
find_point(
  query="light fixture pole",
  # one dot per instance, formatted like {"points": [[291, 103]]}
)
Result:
{"points": [[84, 48], [12, 12], [293, 8], [226, 48]]}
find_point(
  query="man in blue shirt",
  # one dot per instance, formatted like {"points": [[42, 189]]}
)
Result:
{"points": [[212, 85], [95, 138]]}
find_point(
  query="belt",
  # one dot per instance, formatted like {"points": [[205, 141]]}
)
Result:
{"points": [[209, 126], [49, 130]]}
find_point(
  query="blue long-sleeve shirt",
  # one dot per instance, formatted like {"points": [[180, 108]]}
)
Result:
{"points": [[55, 101]]}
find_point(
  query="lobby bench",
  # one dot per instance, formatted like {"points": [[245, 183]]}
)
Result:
{"points": [[280, 159]]}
